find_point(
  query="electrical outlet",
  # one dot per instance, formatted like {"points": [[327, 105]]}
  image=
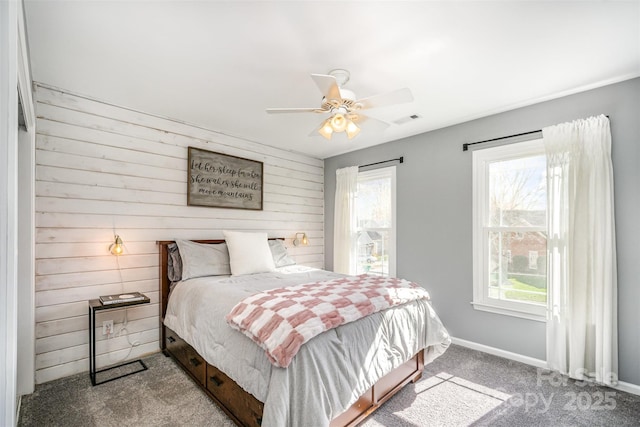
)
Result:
{"points": [[107, 327]]}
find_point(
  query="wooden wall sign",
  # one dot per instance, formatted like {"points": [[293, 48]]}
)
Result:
{"points": [[223, 181]]}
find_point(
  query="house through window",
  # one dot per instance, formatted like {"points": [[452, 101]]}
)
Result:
{"points": [[510, 223], [376, 241]]}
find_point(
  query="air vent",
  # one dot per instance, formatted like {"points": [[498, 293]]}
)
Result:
{"points": [[406, 119]]}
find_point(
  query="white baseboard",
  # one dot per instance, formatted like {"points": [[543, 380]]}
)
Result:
{"points": [[538, 363], [628, 387], [502, 353], [18, 409]]}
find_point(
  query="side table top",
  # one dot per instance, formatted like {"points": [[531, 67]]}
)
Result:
{"points": [[96, 304]]}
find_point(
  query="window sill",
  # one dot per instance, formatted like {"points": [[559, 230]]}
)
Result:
{"points": [[508, 312]]}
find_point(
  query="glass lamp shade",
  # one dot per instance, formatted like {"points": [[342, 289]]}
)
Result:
{"points": [[326, 130], [339, 122], [301, 239], [116, 247], [352, 129]]}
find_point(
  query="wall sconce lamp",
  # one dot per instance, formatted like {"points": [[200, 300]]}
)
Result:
{"points": [[301, 238], [116, 247]]}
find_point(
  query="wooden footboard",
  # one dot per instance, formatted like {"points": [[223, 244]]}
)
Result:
{"points": [[242, 407]]}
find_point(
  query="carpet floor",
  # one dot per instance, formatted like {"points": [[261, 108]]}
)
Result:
{"points": [[461, 388]]}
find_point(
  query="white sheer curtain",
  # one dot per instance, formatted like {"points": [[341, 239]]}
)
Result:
{"points": [[582, 321], [345, 218]]}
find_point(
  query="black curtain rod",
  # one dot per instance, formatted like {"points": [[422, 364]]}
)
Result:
{"points": [[399, 159], [465, 147]]}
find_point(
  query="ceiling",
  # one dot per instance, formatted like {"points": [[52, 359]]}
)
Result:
{"points": [[220, 64]]}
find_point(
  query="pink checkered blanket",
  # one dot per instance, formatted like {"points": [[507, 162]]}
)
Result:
{"points": [[281, 320]]}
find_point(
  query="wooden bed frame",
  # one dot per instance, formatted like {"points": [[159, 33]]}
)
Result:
{"points": [[242, 407]]}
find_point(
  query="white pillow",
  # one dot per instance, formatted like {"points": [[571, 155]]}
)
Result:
{"points": [[200, 260], [249, 253]]}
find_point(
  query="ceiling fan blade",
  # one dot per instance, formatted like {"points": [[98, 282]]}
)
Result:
{"points": [[327, 85], [294, 110], [399, 96]]}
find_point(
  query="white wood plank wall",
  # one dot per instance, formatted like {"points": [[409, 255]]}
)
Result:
{"points": [[103, 169]]}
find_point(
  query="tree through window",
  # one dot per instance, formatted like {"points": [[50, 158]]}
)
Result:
{"points": [[510, 223]]}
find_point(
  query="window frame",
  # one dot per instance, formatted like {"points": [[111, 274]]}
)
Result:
{"points": [[481, 229], [388, 171]]}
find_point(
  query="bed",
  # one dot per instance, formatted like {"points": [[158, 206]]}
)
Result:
{"points": [[333, 380]]}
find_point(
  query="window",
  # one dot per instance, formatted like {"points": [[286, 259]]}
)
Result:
{"points": [[510, 230], [376, 232]]}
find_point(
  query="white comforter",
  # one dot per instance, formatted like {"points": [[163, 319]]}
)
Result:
{"points": [[329, 372]]}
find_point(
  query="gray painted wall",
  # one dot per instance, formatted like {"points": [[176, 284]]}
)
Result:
{"points": [[434, 216]]}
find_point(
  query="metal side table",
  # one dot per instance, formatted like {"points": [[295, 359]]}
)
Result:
{"points": [[96, 305]]}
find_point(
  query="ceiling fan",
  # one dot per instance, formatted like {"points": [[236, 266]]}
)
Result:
{"points": [[345, 109]]}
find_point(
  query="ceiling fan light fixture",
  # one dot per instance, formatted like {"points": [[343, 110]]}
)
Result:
{"points": [[343, 107], [339, 122], [352, 129], [326, 130]]}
